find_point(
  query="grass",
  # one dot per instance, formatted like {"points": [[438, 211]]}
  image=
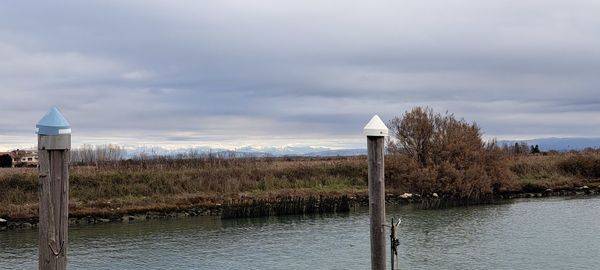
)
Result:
{"points": [[165, 184], [556, 171], [129, 186]]}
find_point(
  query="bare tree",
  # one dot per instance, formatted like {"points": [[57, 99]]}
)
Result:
{"points": [[449, 153], [414, 132], [89, 154]]}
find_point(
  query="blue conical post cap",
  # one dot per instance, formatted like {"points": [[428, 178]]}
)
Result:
{"points": [[53, 123]]}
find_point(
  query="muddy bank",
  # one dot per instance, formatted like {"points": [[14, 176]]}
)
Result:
{"points": [[435, 201], [288, 206], [295, 205], [75, 220]]}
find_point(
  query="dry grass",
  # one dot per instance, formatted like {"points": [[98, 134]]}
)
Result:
{"points": [[136, 186], [166, 184], [556, 171]]}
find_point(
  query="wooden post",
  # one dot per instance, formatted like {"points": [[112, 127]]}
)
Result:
{"points": [[54, 143], [376, 131]]}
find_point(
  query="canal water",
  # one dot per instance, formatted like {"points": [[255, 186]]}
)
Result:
{"points": [[550, 233]]}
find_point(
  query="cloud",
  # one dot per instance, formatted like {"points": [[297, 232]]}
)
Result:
{"points": [[309, 72], [136, 75]]}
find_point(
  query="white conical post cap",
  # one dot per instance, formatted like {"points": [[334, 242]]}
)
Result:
{"points": [[375, 127]]}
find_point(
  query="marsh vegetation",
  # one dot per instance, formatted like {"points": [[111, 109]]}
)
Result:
{"points": [[429, 153]]}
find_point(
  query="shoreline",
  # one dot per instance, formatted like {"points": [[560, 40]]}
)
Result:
{"points": [[290, 205]]}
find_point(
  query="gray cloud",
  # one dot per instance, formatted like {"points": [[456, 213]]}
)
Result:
{"points": [[302, 72]]}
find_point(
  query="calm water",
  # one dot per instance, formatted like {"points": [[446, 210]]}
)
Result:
{"points": [[554, 233]]}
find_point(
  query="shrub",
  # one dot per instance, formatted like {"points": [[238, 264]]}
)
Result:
{"points": [[585, 165], [449, 156]]}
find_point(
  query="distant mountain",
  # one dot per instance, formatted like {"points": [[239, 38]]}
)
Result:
{"points": [[545, 144], [338, 152], [283, 151], [559, 144], [133, 151]]}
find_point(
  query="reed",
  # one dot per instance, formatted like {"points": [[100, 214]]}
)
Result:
{"points": [[536, 173], [287, 206], [175, 183], [288, 185]]}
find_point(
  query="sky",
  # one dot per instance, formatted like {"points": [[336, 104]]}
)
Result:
{"points": [[282, 73]]}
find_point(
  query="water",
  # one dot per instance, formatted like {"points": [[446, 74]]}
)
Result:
{"points": [[554, 233]]}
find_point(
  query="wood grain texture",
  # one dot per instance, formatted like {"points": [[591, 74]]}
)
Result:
{"points": [[375, 147], [53, 207], [58, 142]]}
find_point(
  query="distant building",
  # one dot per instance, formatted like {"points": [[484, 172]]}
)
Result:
{"points": [[22, 158]]}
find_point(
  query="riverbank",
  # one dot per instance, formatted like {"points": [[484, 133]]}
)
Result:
{"points": [[147, 189], [324, 203], [132, 186], [540, 233]]}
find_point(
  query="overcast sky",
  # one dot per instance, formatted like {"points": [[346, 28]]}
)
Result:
{"points": [[311, 73]]}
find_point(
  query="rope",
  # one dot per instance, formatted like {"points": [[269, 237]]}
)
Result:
{"points": [[51, 215], [56, 254], [394, 242]]}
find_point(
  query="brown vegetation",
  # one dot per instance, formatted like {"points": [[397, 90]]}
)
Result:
{"points": [[556, 170], [431, 153], [446, 156], [163, 184], [132, 185]]}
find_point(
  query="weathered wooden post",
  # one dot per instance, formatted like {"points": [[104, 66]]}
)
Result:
{"points": [[54, 143], [376, 131]]}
